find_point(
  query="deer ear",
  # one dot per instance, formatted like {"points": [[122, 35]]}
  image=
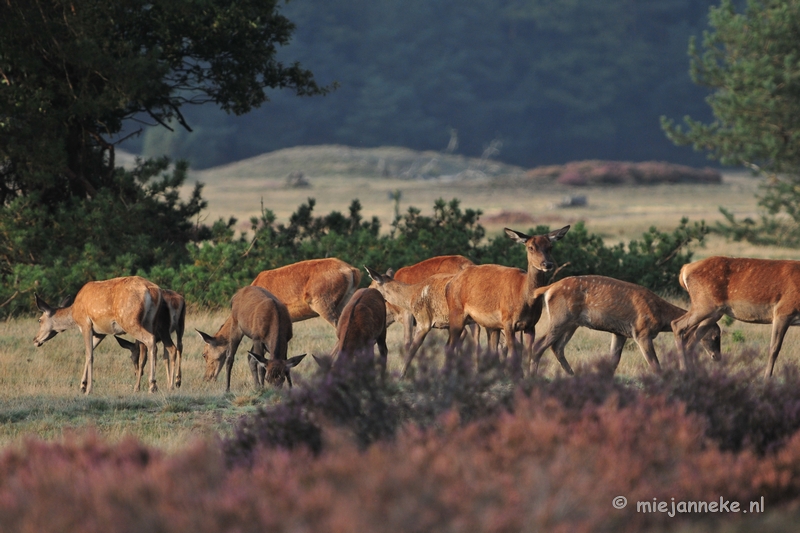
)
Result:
{"points": [[66, 302], [390, 274], [324, 361], [375, 275], [294, 361], [208, 339], [258, 357], [558, 234], [42, 305], [517, 236]]}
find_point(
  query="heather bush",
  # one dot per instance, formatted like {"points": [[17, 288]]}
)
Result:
{"points": [[594, 172]]}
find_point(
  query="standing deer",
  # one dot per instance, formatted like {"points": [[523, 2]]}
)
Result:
{"points": [[317, 287], [424, 301], [623, 309], [110, 307], [502, 298], [759, 291], [259, 315], [362, 325], [170, 318], [444, 264]]}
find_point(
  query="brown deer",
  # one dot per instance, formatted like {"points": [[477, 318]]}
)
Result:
{"points": [[444, 264], [260, 316], [362, 325], [502, 298], [170, 318], [317, 287], [759, 291], [110, 307], [623, 309], [424, 301]]}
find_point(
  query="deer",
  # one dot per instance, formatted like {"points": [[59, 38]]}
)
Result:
{"points": [[758, 291], [361, 326], [261, 316], [502, 298], [111, 307], [170, 318], [424, 301], [625, 310], [317, 287], [444, 264]]}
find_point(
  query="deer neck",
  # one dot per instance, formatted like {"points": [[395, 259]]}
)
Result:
{"points": [[399, 294], [63, 319], [534, 279], [229, 331]]}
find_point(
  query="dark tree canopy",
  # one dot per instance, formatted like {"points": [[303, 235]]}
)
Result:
{"points": [[72, 71], [751, 61]]}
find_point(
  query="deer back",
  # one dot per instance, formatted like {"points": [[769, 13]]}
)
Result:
{"points": [[362, 322], [117, 305], [298, 285], [260, 315]]}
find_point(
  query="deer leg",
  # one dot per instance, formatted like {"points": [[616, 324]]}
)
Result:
{"points": [[229, 356], [645, 343], [687, 324], [779, 327], [255, 367], [527, 346], [178, 358], [90, 340], [326, 311], [513, 352], [617, 344], [407, 320], [152, 347], [170, 358], [558, 349], [383, 352], [419, 338]]}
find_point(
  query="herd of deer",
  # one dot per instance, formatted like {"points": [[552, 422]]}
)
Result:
{"points": [[448, 292]]}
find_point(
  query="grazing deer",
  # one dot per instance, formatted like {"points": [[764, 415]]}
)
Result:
{"points": [[759, 291], [110, 307], [170, 318], [623, 309], [318, 287], [362, 325], [502, 298], [444, 264], [259, 315], [424, 301]]}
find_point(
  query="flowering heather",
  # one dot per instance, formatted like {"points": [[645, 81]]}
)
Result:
{"points": [[593, 172]]}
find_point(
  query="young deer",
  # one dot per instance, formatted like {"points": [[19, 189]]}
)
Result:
{"points": [[417, 273], [260, 316], [170, 318], [502, 298], [424, 301], [317, 287], [759, 291], [110, 307], [625, 310]]}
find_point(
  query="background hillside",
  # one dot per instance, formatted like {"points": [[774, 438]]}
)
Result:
{"points": [[538, 82]]}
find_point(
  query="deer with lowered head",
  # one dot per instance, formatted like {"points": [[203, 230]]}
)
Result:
{"points": [[170, 318], [625, 310], [317, 287], [110, 307], [260, 316], [501, 298], [361, 326], [758, 291]]}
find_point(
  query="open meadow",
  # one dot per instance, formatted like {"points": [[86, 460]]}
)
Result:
{"points": [[40, 393], [487, 457]]}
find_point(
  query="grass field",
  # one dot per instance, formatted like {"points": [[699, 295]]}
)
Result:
{"points": [[40, 387]]}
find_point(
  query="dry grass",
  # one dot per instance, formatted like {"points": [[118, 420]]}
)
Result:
{"points": [[40, 387]]}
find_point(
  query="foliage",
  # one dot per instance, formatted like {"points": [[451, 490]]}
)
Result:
{"points": [[751, 61], [542, 81], [551, 456], [207, 273]]}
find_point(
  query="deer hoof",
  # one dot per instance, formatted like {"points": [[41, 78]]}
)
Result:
{"points": [[153, 386]]}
